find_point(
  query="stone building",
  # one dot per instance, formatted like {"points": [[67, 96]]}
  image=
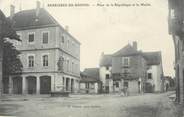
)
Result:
{"points": [[105, 73], [130, 68], [155, 79], [49, 53], [176, 18], [90, 82]]}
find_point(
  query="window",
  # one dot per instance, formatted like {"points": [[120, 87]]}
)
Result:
{"points": [[125, 84], [149, 75], [125, 61], [67, 62], [45, 60], [30, 61], [72, 67], [63, 39], [73, 46], [45, 36], [20, 37], [87, 85], [68, 42], [31, 38], [107, 76], [172, 15], [117, 84]]}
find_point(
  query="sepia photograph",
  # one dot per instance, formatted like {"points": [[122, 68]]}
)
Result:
{"points": [[92, 58]]}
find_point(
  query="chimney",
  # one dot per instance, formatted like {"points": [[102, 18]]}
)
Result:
{"points": [[134, 45], [67, 28], [37, 8], [12, 11]]}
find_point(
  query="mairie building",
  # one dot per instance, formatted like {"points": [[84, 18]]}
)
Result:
{"points": [[49, 53]]}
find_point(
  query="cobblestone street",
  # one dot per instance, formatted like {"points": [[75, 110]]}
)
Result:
{"points": [[147, 105]]}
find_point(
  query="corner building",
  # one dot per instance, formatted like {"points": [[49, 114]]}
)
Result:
{"points": [[49, 53]]}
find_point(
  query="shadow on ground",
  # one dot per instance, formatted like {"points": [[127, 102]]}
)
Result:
{"points": [[142, 111], [7, 109]]}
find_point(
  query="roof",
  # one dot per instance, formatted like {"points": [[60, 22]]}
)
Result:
{"points": [[128, 50], [106, 60], [153, 58], [88, 79], [90, 75], [92, 72], [28, 19]]}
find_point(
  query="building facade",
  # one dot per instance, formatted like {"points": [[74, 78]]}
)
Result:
{"points": [[105, 73], [176, 18], [90, 82], [155, 78], [49, 53], [130, 68]]}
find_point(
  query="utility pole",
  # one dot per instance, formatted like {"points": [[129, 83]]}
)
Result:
{"points": [[1, 64], [1, 56]]}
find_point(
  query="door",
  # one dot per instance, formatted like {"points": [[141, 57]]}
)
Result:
{"points": [[31, 84], [17, 85], [72, 85], [45, 84]]}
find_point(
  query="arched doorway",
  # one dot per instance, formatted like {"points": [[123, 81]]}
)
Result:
{"points": [[17, 85], [31, 84], [72, 85], [45, 84]]}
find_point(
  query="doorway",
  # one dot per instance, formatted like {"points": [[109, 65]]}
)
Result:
{"points": [[45, 84]]}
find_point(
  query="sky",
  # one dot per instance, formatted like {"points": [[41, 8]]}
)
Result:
{"points": [[108, 29]]}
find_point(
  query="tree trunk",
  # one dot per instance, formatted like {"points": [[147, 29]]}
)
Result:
{"points": [[1, 64]]}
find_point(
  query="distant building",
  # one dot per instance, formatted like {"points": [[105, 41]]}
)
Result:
{"points": [[50, 54], [155, 71], [105, 73], [130, 68], [169, 83], [90, 82]]}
